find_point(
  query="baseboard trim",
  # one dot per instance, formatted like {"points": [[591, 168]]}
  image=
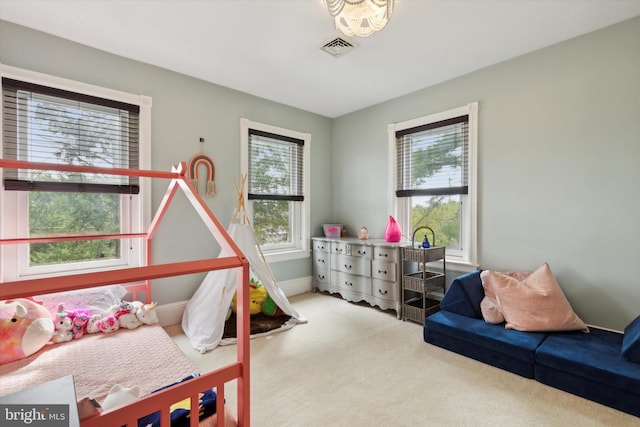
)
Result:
{"points": [[296, 286], [171, 313]]}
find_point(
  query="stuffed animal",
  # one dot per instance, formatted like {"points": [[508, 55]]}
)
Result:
{"points": [[270, 308], [25, 327], [79, 319], [108, 324], [126, 315], [147, 314], [63, 326], [119, 396], [92, 328], [257, 295]]}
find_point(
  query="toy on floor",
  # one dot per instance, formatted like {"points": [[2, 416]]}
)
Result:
{"points": [[270, 308], [25, 327], [257, 295], [63, 326]]}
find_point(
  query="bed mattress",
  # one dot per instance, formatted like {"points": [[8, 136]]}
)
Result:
{"points": [[145, 357]]}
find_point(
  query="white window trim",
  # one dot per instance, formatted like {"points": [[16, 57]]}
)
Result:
{"points": [[399, 206], [12, 203], [303, 231]]}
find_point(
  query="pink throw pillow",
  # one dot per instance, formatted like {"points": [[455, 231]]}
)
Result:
{"points": [[489, 306], [535, 303]]}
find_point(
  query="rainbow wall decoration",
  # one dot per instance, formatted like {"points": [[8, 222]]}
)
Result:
{"points": [[194, 165]]}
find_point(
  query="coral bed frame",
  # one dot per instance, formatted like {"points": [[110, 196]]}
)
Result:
{"points": [[138, 279]]}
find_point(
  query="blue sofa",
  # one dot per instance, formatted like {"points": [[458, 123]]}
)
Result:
{"points": [[602, 366]]}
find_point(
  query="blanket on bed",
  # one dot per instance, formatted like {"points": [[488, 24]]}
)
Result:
{"points": [[146, 357]]}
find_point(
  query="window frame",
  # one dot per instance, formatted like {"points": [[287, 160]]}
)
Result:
{"points": [[400, 207], [300, 214], [135, 209]]}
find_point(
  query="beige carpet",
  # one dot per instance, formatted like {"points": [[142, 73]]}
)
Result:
{"points": [[354, 365]]}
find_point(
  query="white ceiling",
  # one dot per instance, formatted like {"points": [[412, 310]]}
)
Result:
{"points": [[271, 48]]}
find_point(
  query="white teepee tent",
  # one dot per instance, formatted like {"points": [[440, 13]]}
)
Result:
{"points": [[204, 316]]}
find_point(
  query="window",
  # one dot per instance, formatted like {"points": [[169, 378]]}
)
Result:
{"points": [[433, 164], [51, 120], [276, 162]]}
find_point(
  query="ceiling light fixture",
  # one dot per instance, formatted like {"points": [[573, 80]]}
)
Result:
{"points": [[360, 17]]}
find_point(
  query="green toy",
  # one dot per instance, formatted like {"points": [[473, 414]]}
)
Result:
{"points": [[270, 308]]}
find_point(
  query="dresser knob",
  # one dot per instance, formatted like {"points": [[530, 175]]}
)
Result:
{"points": [[383, 293], [348, 267], [348, 283], [380, 271]]}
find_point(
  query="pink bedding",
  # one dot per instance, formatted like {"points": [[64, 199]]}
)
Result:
{"points": [[146, 357]]}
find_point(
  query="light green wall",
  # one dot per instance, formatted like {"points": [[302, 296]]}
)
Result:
{"points": [[559, 165], [559, 154], [184, 109]]}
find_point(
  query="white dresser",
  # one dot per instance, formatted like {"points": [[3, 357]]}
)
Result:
{"points": [[359, 270]]}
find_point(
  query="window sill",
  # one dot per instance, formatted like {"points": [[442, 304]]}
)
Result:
{"points": [[287, 255], [461, 266]]}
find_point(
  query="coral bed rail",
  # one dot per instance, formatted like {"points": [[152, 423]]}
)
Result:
{"points": [[160, 401]]}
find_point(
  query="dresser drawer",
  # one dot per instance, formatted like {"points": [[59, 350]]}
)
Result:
{"points": [[383, 270], [321, 259], [362, 251], [351, 265], [387, 254], [349, 282], [339, 248], [321, 246], [321, 274], [384, 290]]}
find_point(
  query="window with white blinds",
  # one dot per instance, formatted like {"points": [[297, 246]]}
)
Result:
{"points": [[433, 179], [49, 125], [276, 162], [55, 121], [433, 159], [275, 167]]}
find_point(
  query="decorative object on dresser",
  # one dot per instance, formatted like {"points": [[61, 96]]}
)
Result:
{"points": [[364, 233], [332, 230], [422, 290], [359, 270], [393, 232]]}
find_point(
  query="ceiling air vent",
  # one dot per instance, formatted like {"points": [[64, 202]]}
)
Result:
{"points": [[338, 46]]}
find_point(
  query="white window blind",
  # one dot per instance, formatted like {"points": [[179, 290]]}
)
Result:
{"points": [[275, 167], [433, 159], [48, 125]]}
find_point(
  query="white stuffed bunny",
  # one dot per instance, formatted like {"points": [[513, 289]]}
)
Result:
{"points": [[63, 326]]}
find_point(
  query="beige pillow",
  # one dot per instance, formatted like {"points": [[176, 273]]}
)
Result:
{"points": [[535, 303], [489, 306]]}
